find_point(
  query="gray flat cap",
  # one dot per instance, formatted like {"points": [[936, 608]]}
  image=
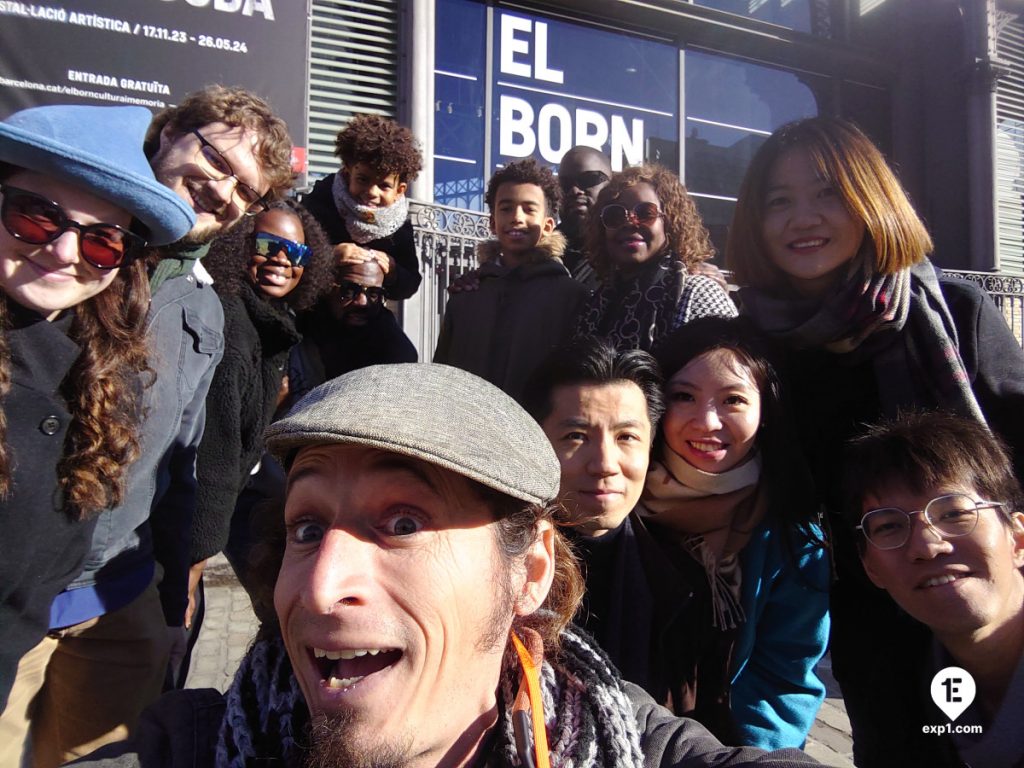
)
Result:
{"points": [[437, 413]]}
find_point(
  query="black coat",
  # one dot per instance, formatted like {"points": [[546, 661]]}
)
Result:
{"points": [[873, 642], [258, 335], [42, 548], [404, 279]]}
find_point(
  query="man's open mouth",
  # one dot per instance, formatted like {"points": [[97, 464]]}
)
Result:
{"points": [[345, 668]]}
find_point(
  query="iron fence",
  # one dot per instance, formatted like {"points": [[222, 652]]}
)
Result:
{"points": [[446, 240]]}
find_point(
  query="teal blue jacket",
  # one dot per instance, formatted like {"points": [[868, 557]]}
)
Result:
{"points": [[775, 692]]}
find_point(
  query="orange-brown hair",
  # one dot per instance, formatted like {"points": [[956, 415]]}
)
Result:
{"points": [[685, 233], [237, 108], [846, 158]]}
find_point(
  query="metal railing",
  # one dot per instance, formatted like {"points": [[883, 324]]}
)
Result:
{"points": [[1006, 291], [446, 240]]}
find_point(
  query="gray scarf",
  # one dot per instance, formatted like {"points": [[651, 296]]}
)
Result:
{"points": [[590, 720], [366, 222]]}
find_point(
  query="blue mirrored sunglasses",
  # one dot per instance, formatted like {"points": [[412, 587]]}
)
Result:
{"points": [[268, 245]]}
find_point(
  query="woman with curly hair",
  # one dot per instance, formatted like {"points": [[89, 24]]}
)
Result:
{"points": [[78, 203], [363, 208], [645, 240], [267, 269], [833, 263]]}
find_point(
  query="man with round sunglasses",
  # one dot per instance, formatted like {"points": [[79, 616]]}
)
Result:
{"points": [[936, 504], [78, 203], [347, 330], [110, 658]]}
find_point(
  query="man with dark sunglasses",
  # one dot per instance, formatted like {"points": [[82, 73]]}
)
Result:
{"points": [[226, 155], [348, 330], [582, 174]]}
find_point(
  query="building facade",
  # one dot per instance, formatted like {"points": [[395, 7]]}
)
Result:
{"points": [[695, 85]]}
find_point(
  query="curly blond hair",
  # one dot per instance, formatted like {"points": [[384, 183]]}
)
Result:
{"points": [[685, 233]]}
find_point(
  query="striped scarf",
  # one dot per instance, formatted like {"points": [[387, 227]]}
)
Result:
{"points": [[899, 322], [590, 720]]}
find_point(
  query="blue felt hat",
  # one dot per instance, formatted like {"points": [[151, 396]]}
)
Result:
{"points": [[100, 150]]}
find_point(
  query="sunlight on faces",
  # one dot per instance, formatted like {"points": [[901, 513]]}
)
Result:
{"points": [[714, 408], [964, 586], [177, 165], [632, 245], [578, 199], [368, 186], [601, 434], [276, 277], [808, 231], [53, 277], [357, 311], [519, 218], [395, 555]]}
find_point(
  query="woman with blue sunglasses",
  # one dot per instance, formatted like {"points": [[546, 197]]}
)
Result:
{"points": [[267, 269]]}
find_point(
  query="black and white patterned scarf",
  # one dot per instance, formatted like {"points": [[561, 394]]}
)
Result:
{"points": [[634, 312], [590, 720], [366, 223]]}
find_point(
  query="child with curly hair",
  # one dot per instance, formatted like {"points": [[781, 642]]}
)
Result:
{"points": [[363, 208]]}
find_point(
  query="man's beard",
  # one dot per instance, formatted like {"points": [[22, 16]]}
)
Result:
{"points": [[332, 746]]}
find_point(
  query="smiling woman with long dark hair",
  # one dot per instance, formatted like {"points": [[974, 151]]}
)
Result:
{"points": [[78, 203]]}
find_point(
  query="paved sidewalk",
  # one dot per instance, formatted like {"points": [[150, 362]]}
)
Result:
{"points": [[229, 627]]}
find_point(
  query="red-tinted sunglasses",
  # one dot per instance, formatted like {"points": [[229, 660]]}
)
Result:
{"points": [[614, 216], [33, 219]]}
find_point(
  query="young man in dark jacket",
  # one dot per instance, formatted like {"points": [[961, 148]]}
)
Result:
{"points": [[527, 303]]}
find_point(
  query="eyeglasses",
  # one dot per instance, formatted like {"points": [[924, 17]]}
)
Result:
{"points": [[217, 167], [951, 516], [33, 219], [349, 291], [269, 245], [614, 216], [584, 180]]}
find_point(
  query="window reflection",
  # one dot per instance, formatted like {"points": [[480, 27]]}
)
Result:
{"points": [[812, 16], [732, 106]]}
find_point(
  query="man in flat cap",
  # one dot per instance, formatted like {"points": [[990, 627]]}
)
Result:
{"points": [[423, 604]]}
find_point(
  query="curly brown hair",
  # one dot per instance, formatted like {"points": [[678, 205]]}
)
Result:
{"points": [[227, 261], [103, 392], [236, 107], [527, 171], [382, 144], [685, 233]]}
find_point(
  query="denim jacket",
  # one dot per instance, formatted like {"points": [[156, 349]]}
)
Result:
{"points": [[186, 336]]}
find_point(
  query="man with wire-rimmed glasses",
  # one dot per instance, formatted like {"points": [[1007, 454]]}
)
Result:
{"points": [[936, 504]]}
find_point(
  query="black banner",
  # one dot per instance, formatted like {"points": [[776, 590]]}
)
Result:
{"points": [[153, 52]]}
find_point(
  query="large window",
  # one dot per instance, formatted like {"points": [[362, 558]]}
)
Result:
{"points": [[731, 107], [814, 16]]}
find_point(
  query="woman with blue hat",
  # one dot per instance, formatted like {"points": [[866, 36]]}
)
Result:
{"points": [[78, 207]]}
